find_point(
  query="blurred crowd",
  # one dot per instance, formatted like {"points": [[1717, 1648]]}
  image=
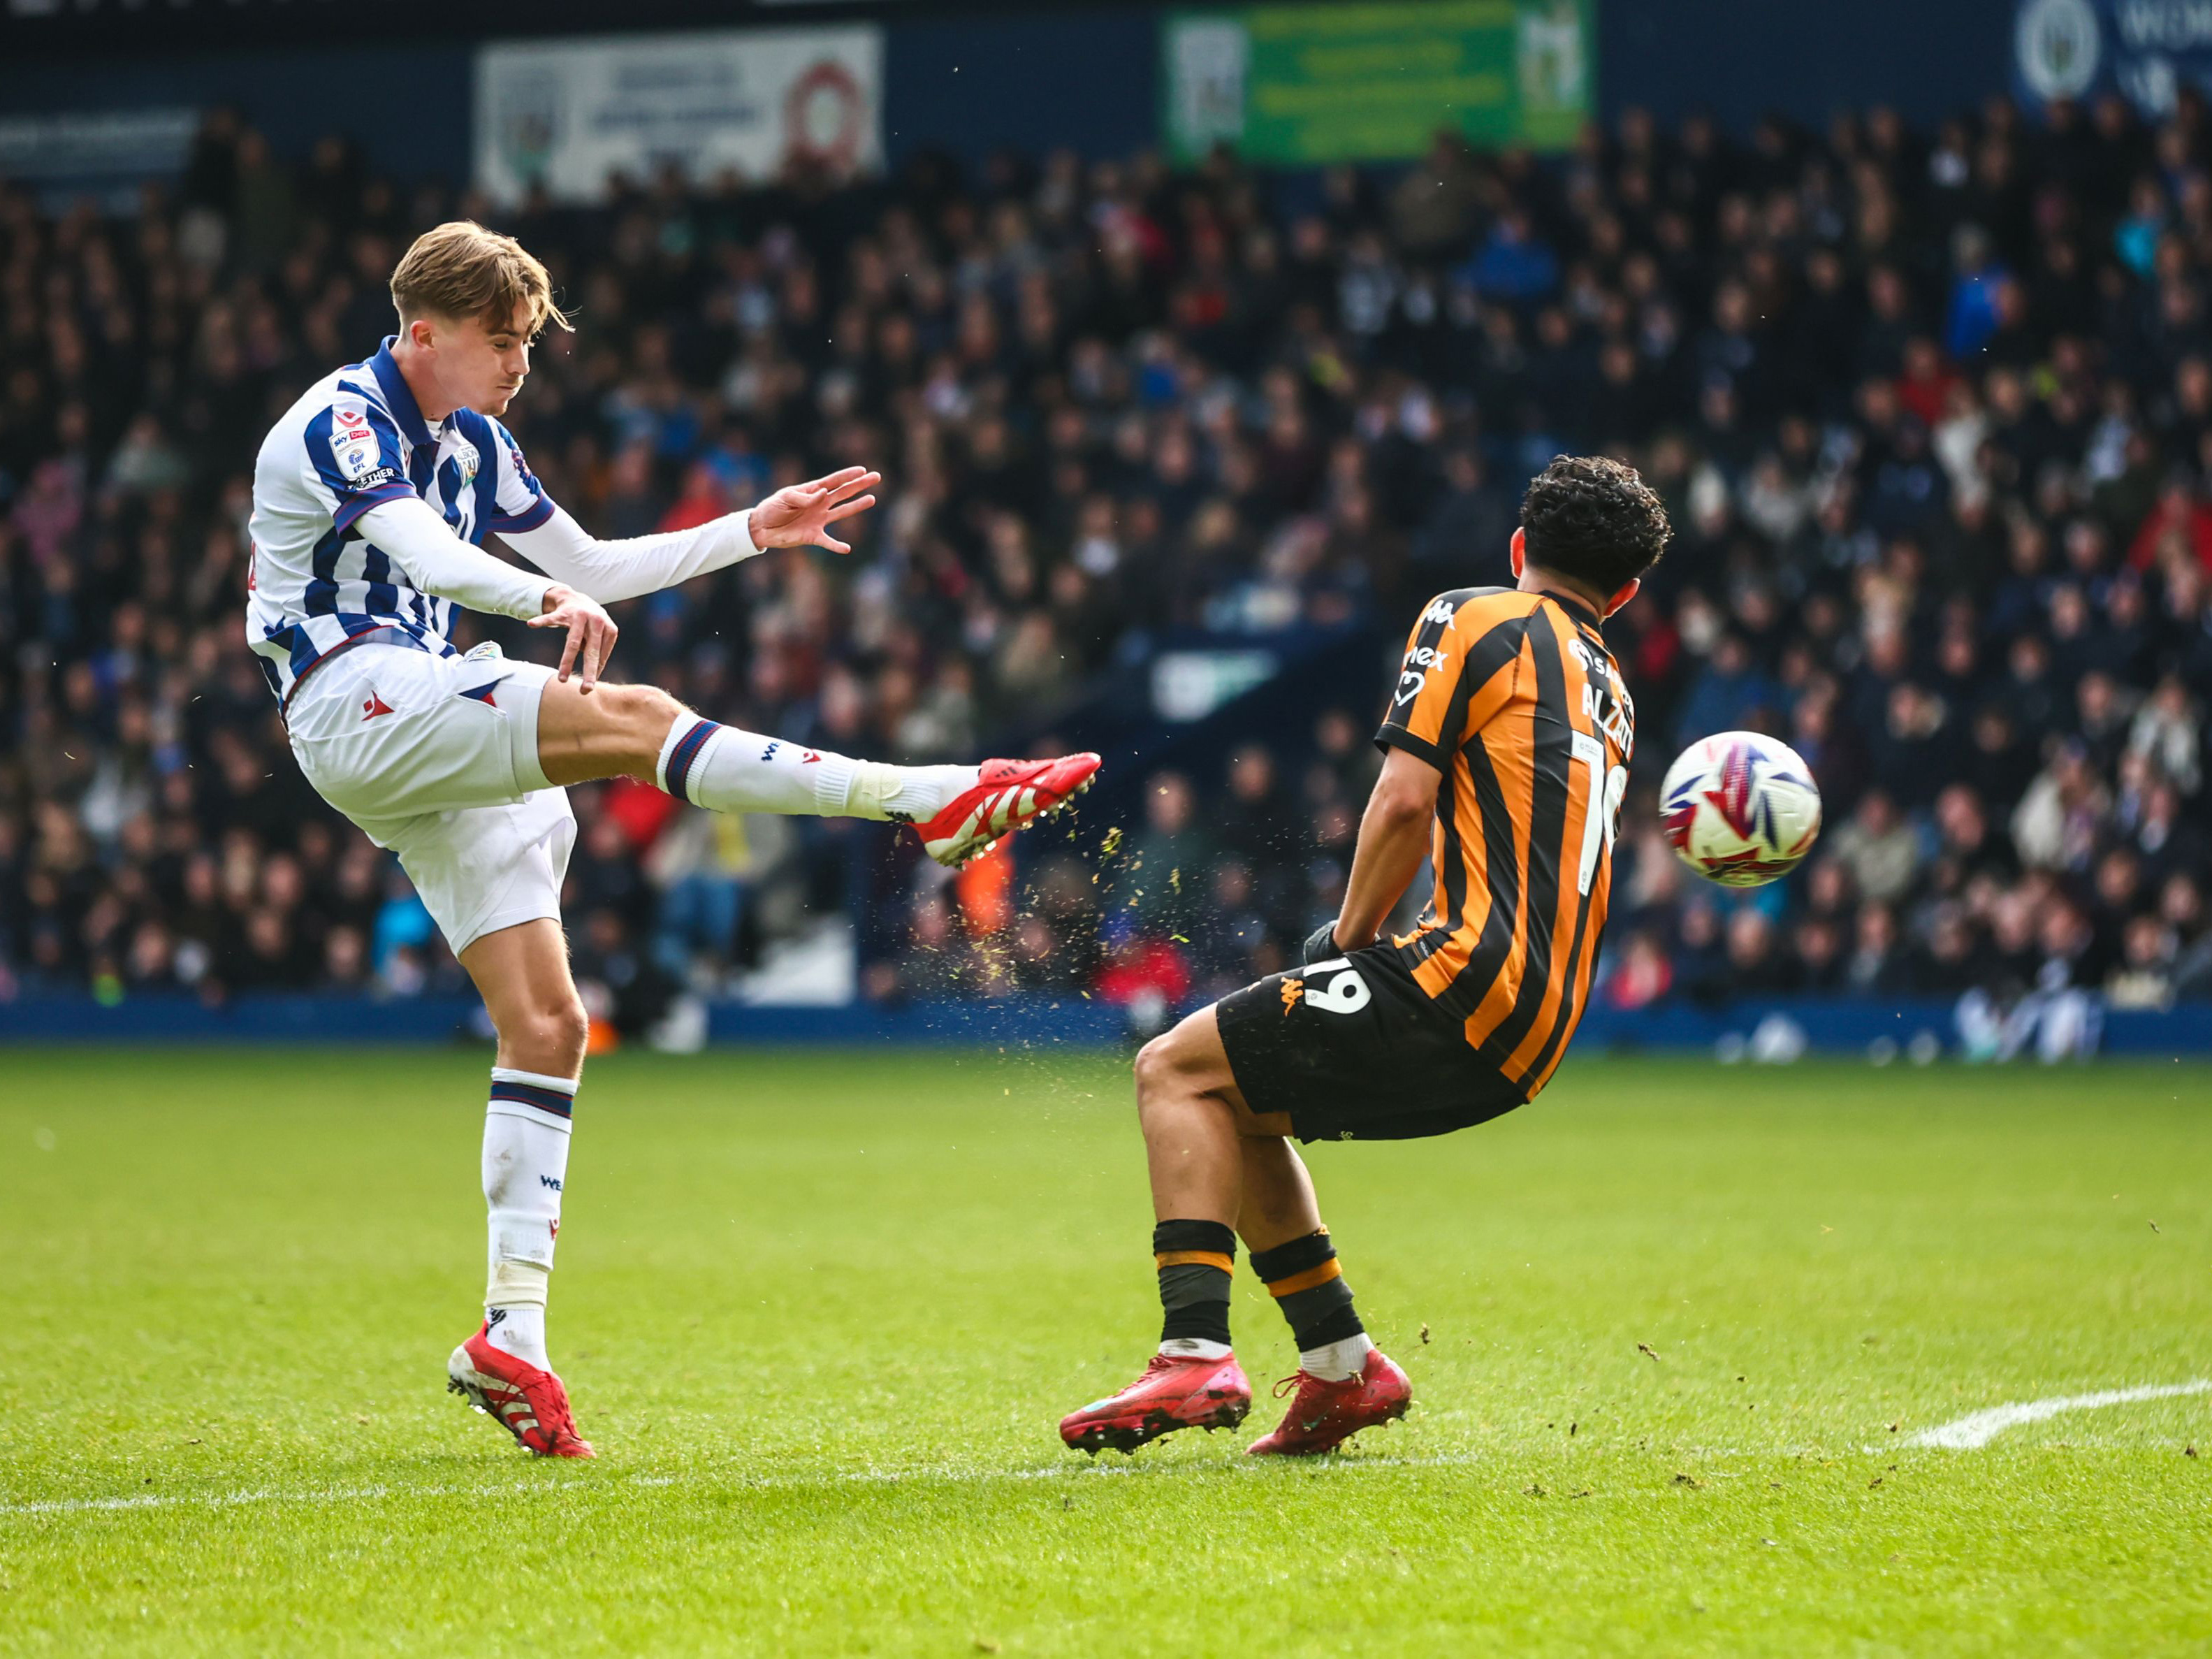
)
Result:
{"points": [[1932, 412]]}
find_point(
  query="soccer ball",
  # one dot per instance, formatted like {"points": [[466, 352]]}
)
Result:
{"points": [[1739, 808]]}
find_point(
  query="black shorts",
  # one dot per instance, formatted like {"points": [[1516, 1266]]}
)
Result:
{"points": [[1356, 1053]]}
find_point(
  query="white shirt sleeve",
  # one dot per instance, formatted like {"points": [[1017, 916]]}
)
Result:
{"points": [[438, 562], [608, 571], [520, 502], [351, 462]]}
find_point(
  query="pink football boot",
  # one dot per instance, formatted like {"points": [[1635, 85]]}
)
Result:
{"points": [[1173, 1393], [1324, 1415]]}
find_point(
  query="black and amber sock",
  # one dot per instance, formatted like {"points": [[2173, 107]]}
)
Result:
{"points": [[1195, 1259], [1309, 1286]]}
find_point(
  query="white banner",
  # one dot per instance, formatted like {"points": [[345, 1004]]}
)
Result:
{"points": [[570, 113]]}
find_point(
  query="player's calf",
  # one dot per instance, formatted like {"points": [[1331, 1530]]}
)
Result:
{"points": [[525, 1169]]}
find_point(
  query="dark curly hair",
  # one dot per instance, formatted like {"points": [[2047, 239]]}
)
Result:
{"points": [[1594, 521]]}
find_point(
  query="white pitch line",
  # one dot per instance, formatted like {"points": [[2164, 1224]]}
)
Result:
{"points": [[1086, 1471], [1968, 1433], [1977, 1429]]}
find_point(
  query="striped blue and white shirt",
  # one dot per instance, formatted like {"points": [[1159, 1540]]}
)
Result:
{"points": [[354, 439]]}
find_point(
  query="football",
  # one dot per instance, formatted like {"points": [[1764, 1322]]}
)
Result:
{"points": [[1740, 808]]}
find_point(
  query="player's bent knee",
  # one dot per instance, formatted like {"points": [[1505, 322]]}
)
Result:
{"points": [[1156, 1068], [549, 1037], [647, 707], [637, 716], [570, 1026], [618, 728], [1189, 1053]]}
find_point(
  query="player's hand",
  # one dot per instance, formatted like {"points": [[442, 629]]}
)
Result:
{"points": [[1320, 945], [800, 516], [592, 632]]}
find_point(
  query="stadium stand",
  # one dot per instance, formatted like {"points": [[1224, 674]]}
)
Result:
{"points": [[1932, 411]]}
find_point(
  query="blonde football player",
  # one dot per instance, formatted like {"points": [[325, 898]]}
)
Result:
{"points": [[372, 497]]}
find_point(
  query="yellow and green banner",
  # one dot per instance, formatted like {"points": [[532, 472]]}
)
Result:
{"points": [[1306, 84]]}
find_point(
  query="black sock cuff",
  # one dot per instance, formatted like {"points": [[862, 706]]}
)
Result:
{"points": [[1187, 1282], [1299, 1255], [1210, 1236], [1200, 1322], [1328, 1324]]}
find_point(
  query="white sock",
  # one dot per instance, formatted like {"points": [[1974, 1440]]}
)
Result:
{"points": [[729, 769], [1193, 1348], [526, 1165], [911, 795], [519, 1328], [1336, 1362]]}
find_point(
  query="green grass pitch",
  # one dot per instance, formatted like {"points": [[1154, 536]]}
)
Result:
{"points": [[1670, 1330]]}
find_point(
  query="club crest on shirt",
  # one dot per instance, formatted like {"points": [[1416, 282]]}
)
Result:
{"points": [[467, 459]]}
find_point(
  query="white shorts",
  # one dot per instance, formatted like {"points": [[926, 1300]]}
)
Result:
{"points": [[436, 759]]}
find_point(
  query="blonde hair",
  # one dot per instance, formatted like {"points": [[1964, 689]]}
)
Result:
{"points": [[461, 270]]}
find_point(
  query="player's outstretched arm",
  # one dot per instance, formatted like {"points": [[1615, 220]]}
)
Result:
{"points": [[1394, 840], [610, 571]]}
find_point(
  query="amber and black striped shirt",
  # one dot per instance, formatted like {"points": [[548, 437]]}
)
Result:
{"points": [[1514, 697]]}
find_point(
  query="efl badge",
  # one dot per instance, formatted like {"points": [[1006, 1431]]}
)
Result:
{"points": [[354, 443]]}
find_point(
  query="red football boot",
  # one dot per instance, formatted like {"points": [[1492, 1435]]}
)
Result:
{"points": [[1173, 1393], [1010, 795], [1324, 1415], [528, 1403]]}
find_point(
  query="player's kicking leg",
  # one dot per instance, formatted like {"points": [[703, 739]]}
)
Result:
{"points": [[640, 731], [1219, 1170]]}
